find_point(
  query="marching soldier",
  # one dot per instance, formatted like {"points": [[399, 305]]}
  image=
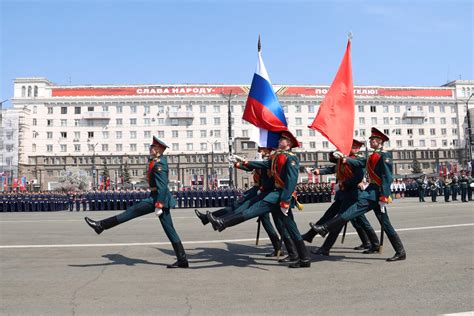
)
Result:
{"points": [[421, 189], [160, 201], [284, 168], [374, 197], [347, 194]]}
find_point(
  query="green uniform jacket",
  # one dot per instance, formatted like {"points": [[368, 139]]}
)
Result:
{"points": [[158, 178], [383, 169], [288, 174]]}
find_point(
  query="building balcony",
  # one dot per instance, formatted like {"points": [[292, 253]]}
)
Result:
{"points": [[181, 115], [414, 114], [96, 116]]}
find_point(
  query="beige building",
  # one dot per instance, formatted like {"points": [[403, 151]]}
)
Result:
{"points": [[87, 127]]}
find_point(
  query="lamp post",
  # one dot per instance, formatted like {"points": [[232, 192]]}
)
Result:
{"points": [[229, 98], [93, 163], [212, 160], [469, 127]]}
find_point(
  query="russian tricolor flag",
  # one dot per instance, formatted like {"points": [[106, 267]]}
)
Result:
{"points": [[263, 108]]}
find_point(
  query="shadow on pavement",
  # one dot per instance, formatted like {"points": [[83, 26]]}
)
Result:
{"points": [[117, 259]]}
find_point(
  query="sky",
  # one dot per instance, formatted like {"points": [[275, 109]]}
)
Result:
{"points": [[395, 43]]}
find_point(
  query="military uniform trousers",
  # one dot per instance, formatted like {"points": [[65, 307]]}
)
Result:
{"points": [[146, 206]]}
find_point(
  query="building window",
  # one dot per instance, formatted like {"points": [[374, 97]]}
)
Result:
{"points": [[397, 109], [118, 122], [63, 148], [29, 91], [217, 109], [410, 143], [49, 148], [203, 133], [310, 108], [325, 144], [77, 148], [77, 110], [442, 120], [64, 135], [105, 135], [161, 134], [90, 134], [175, 146], [133, 147], [174, 122], [133, 134], [50, 110], [105, 147], [360, 108], [455, 131], [90, 109], [189, 146], [118, 147], [299, 132], [34, 122], [217, 133], [399, 143], [298, 121], [217, 146], [133, 109], [63, 110], [147, 121], [433, 143], [443, 131], [77, 135], [118, 134], [147, 134], [445, 143], [203, 146], [174, 134], [312, 144], [23, 91], [432, 131], [373, 121], [373, 109], [385, 120], [362, 132], [421, 131], [386, 131], [442, 109], [217, 121], [119, 109], [454, 120], [77, 122], [312, 132], [298, 108], [189, 134], [203, 121], [49, 135], [422, 143], [398, 131], [133, 121], [245, 133], [410, 131], [385, 108], [362, 120]]}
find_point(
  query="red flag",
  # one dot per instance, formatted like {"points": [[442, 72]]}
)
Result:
{"points": [[335, 118]]}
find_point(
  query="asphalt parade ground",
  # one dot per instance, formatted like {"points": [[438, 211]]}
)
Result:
{"points": [[54, 264]]}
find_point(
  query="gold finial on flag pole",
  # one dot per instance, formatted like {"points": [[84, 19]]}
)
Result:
{"points": [[349, 36], [259, 46]]}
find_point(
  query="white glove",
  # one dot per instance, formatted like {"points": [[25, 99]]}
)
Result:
{"points": [[336, 187], [238, 158], [308, 170], [382, 206], [232, 159], [158, 211], [258, 192], [284, 211], [337, 154]]}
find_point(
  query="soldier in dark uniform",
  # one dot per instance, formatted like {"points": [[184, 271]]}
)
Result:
{"points": [[421, 189], [347, 195], [160, 201], [432, 185], [446, 189], [464, 184], [455, 187], [284, 168], [470, 186], [374, 197]]}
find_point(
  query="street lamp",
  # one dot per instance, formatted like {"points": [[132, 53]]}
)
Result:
{"points": [[229, 98], [93, 163], [212, 159], [469, 126]]}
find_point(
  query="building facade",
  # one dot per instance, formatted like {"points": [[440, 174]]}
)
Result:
{"points": [[92, 128]]}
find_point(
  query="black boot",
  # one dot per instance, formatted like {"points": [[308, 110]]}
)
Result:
{"points": [[320, 252], [374, 242], [400, 253], [180, 255], [223, 222], [202, 217], [100, 226], [276, 242], [291, 249], [309, 236], [331, 225], [364, 238], [304, 258]]}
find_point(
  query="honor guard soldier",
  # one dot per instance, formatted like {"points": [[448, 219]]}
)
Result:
{"points": [[464, 184], [374, 197], [446, 188], [421, 189], [470, 188], [160, 201], [347, 194], [284, 168], [455, 187]]}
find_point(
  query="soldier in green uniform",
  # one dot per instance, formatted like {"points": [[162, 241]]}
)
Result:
{"points": [[160, 201], [446, 188], [470, 187], [421, 189], [432, 185], [455, 187], [284, 168], [464, 184], [263, 184], [347, 194], [374, 197]]}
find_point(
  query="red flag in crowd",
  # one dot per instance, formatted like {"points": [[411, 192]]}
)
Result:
{"points": [[335, 118]]}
